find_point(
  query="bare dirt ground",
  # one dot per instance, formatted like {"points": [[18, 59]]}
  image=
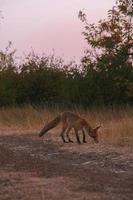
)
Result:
{"points": [[33, 168]]}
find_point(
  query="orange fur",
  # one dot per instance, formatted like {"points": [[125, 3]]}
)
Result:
{"points": [[70, 121]]}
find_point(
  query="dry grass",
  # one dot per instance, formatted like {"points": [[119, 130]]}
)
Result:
{"points": [[21, 119], [117, 125]]}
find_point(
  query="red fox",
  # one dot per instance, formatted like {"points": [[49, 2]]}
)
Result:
{"points": [[71, 120]]}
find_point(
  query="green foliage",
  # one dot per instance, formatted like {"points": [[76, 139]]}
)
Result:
{"points": [[104, 77], [109, 54]]}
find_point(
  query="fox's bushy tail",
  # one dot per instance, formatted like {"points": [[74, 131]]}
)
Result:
{"points": [[50, 125]]}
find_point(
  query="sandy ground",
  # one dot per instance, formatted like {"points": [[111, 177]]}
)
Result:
{"points": [[33, 168]]}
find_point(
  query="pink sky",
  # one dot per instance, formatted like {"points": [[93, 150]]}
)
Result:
{"points": [[44, 25]]}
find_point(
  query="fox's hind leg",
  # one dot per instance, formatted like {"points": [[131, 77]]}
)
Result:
{"points": [[84, 140], [67, 134], [77, 136], [64, 127]]}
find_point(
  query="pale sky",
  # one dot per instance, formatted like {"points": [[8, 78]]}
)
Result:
{"points": [[49, 25]]}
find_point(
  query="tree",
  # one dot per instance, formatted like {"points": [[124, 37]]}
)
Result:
{"points": [[8, 77], [109, 53]]}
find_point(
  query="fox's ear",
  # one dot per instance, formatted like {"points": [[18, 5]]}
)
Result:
{"points": [[97, 127]]}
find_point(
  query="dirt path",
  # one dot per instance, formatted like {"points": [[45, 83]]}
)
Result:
{"points": [[36, 169]]}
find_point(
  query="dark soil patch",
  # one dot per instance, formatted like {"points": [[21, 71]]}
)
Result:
{"points": [[28, 162]]}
